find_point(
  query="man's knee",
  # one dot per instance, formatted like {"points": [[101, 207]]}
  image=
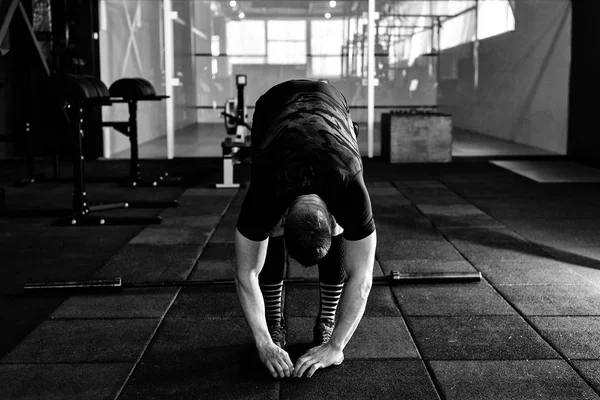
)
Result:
{"points": [[331, 267], [272, 271]]}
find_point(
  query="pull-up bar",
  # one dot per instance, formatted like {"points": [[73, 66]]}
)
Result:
{"points": [[117, 283]]}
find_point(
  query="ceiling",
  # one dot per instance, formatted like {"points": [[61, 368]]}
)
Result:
{"points": [[273, 9], [290, 9]]}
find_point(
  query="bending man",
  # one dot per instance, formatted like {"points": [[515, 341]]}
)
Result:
{"points": [[307, 196]]}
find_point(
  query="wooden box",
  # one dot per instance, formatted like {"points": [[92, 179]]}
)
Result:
{"points": [[416, 137]]}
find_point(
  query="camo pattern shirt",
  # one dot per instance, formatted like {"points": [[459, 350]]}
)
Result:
{"points": [[304, 142]]}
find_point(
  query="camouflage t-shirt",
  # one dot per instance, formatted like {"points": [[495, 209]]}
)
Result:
{"points": [[304, 142]]}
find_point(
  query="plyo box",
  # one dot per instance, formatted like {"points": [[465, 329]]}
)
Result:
{"points": [[416, 137]]}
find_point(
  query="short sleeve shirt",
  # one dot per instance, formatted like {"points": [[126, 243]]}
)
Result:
{"points": [[303, 142]]}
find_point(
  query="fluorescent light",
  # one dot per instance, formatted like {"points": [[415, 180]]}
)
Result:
{"points": [[414, 84]]}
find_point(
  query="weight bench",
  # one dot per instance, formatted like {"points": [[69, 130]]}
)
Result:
{"points": [[77, 93], [131, 91]]}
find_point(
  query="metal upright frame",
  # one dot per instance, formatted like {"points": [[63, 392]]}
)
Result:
{"points": [[12, 8]]}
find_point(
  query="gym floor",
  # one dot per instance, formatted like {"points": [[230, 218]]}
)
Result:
{"points": [[529, 329]]}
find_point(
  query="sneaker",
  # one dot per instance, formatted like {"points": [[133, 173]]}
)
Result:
{"points": [[322, 331], [278, 332]]}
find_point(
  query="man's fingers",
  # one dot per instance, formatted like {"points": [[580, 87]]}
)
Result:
{"points": [[298, 365], [313, 368], [278, 368], [284, 367], [305, 363], [272, 370], [288, 362]]}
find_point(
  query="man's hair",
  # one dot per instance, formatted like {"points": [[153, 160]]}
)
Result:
{"points": [[307, 235]]}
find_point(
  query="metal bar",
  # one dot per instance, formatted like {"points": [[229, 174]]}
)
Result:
{"points": [[106, 207], [79, 195], [460, 13], [135, 173], [169, 54], [307, 55], [476, 48], [418, 15], [358, 107], [394, 278], [99, 284], [370, 77], [34, 39], [8, 18]]}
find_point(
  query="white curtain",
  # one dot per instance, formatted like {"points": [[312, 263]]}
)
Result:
{"points": [[494, 17]]}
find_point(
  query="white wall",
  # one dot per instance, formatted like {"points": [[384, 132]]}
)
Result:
{"points": [[523, 79], [114, 40]]}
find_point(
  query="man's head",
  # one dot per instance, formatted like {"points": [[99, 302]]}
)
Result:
{"points": [[308, 229]]}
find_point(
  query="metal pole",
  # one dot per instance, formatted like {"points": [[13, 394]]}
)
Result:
{"points": [[476, 47], [394, 278], [7, 18], [169, 73], [438, 58], [38, 50], [370, 77]]}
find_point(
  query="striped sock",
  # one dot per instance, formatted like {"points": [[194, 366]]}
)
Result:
{"points": [[272, 295], [330, 297]]}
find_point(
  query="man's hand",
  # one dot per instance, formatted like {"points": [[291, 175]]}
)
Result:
{"points": [[276, 360], [318, 357]]}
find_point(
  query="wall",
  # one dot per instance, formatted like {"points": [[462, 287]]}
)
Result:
{"points": [[120, 57], [184, 95], [523, 79]]}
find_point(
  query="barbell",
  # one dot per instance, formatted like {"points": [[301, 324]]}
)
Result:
{"points": [[117, 283]]}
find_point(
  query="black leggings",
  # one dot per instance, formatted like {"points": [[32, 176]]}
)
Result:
{"points": [[331, 267]]}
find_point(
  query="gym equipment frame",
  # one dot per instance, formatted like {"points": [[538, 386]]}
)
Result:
{"points": [[81, 208], [10, 8], [233, 149], [131, 91]]}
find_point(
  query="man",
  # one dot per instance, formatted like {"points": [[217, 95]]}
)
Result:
{"points": [[306, 179]]}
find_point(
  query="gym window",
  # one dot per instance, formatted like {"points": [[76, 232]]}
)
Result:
{"points": [[494, 17], [266, 42], [326, 58], [246, 41], [286, 42]]}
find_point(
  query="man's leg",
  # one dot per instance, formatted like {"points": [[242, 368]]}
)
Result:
{"points": [[270, 280], [331, 284]]}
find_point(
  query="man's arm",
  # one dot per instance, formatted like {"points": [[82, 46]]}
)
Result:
{"points": [[359, 257], [250, 258]]}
